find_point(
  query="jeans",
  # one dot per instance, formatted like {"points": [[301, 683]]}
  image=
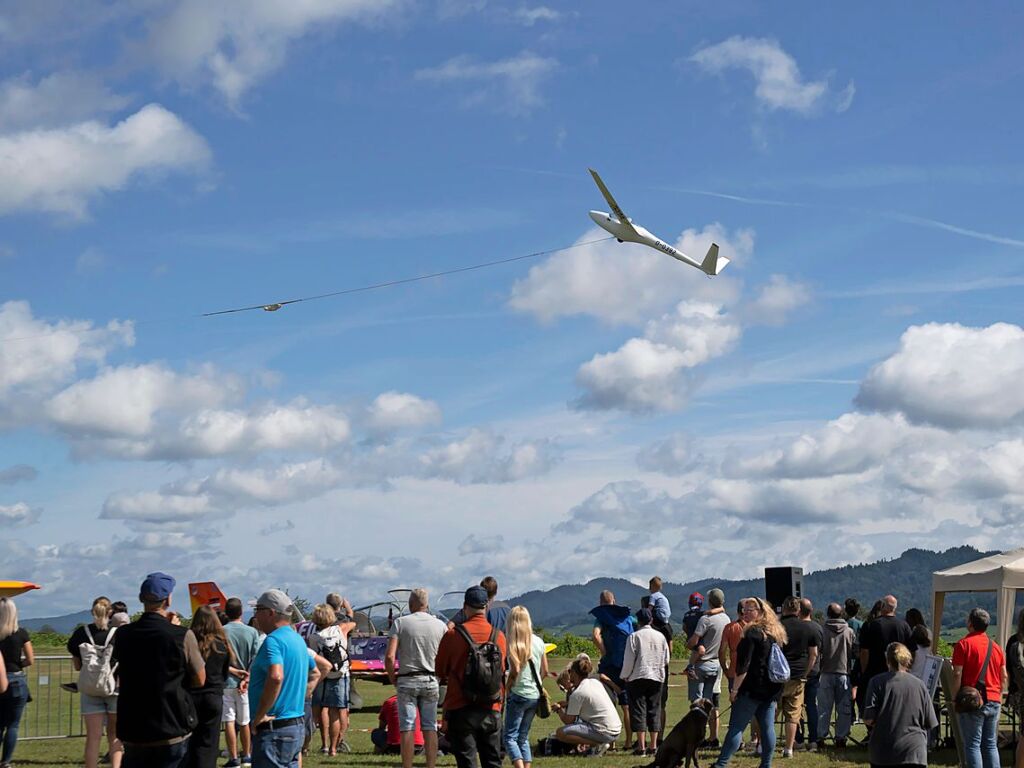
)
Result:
{"points": [[519, 712], [979, 733], [12, 704], [745, 709], [417, 694], [277, 748], [703, 687], [473, 731], [834, 690], [169, 756], [811, 702]]}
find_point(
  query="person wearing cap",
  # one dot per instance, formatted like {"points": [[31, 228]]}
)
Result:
{"points": [[644, 664], [473, 729], [157, 663], [282, 676]]}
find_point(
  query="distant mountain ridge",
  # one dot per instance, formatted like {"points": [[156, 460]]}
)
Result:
{"points": [[908, 576]]}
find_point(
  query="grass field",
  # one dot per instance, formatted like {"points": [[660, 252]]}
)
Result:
{"points": [[66, 752]]}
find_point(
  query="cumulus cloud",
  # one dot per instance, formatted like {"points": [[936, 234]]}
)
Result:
{"points": [[61, 170], [779, 84], [54, 100], [626, 283], [653, 373], [776, 300], [394, 411], [511, 85], [37, 356], [17, 474], [530, 16], [671, 456], [479, 545], [952, 376], [200, 42], [18, 515], [483, 457]]}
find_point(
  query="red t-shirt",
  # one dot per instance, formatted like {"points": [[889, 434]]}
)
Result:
{"points": [[388, 718], [969, 653], [452, 655]]}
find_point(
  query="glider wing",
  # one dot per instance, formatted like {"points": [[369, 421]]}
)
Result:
{"points": [[611, 200]]}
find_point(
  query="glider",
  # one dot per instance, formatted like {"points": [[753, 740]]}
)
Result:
{"points": [[620, 225], [12, 588]]}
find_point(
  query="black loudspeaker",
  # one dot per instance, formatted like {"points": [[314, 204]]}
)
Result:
{"points": [[780, 583]]}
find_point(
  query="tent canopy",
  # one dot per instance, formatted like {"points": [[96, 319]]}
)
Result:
{"points": [[1002, 574]]}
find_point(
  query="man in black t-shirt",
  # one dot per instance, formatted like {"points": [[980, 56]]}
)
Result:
{"points": [[801, 651], [875, 637]]}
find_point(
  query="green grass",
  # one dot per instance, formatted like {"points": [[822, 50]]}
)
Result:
{"points": [[65, 752]]}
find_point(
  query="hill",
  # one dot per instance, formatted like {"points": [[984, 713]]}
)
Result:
{"points": [[908, 576], [64, 625]]}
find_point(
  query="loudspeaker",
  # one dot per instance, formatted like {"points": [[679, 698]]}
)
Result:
{"points": [[780, 583]]}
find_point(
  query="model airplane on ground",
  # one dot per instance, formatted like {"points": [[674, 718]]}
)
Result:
{"points": [[620, 225]]}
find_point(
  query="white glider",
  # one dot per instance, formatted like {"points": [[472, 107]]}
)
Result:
{"points": [[625, 230]]}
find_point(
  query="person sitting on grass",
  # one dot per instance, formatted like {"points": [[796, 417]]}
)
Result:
{"points": [[387, 736], [589, 716]]}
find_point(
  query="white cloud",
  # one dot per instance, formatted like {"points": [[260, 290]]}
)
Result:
{"points": [[952, 376], [37, 356], [18, 515], [482, 457], [92, 259], [530, 16], [61, 170], [670, 456], [779, 83], [479, 545], [234, 48], [776, 300], [55, 100], [651, 373], [159, 507], [394, 411], [510, 85], [625, 283]]}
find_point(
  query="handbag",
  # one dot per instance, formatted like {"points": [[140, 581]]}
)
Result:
{"points": [[544, 702], [970, 699]]}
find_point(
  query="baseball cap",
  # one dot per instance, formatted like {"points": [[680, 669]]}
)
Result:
{"points": [[156, 588], [696, 599], [476, 597], [276, 600]]}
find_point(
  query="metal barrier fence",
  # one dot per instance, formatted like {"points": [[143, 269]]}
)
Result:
{"points": [[53, 713]]}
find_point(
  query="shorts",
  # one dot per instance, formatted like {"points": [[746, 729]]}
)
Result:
{"points": [[333, 694], [236, 707], [590, 733], [417, 694], [792, 700], [99, 705]]}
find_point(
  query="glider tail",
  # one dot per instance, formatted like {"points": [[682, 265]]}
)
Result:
{"points": [[713, 263]]}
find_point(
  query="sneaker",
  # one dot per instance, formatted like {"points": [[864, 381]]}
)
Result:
{"points": [[344, 747], [787, 752], [598, 751], [234, 762], [324, 751], [246, 759], [812, 746], [757, 748]]}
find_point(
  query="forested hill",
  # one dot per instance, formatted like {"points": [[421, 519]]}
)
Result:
{"points": [[908, 576]]}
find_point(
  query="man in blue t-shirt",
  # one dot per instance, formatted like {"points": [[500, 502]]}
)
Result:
{"points": [[279, 678]]}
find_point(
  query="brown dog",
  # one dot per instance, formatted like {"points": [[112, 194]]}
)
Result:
{"points": [[683, 740]]}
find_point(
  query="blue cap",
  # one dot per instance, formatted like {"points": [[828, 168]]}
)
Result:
{"points": [[157, 586], [476, 597]]}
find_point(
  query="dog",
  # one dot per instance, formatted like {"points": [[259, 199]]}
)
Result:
{"points": [[683, 740]]}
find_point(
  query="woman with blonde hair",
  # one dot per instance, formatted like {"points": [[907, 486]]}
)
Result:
{"points": [[99, 712], [899, 708], [331, 697], [528, 666], [753, 694], [16, 649]]}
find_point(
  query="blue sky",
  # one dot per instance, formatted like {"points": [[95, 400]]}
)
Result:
{"points": [[847, 388]]}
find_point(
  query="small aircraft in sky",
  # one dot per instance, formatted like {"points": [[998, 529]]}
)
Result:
{"points": [[620, 225]]}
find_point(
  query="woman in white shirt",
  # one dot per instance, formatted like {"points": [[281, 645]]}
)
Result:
{"points": [[643, 668], [589, 716]]}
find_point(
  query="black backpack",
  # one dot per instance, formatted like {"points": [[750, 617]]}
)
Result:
{"points": [[335, 656], [484, 669]]}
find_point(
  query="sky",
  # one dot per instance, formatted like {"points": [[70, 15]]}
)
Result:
{"points": [[847, 388]]}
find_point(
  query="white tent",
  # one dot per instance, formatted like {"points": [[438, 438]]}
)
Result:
{"points": [[1002, 574]]}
